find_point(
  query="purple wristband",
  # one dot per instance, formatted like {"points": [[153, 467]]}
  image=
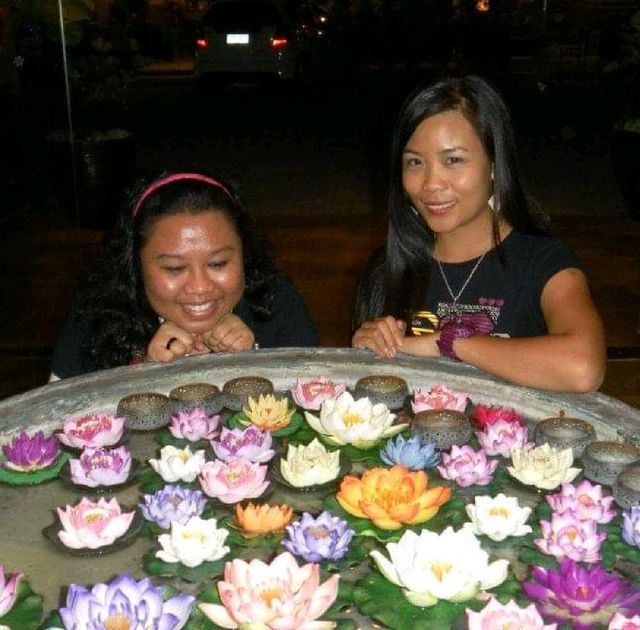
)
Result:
{"points": [[448, 335]]}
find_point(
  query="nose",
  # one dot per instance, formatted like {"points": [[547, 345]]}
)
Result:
{"points": [[198, 281], [432, 179]]}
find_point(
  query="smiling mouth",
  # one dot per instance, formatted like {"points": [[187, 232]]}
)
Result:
{"points": [[438, 207], [198, 308]]}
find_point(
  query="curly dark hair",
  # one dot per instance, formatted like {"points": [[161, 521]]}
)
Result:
{"points": [[113, 303]]}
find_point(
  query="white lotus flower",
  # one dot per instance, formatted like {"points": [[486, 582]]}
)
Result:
{"points": [[430, 567], [310, 465], [498, 517], [344, 420], [197, 541], [544, 467], [178, 464]]}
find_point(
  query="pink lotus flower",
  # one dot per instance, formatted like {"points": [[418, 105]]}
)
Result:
{"points": [[620, 622], [485, 415], [92, 525], [566, 536], [8, 591], [438, 397], [279, 595], [101, 467], [95, 430], [467, 467], [309, 394], [585, 501], [506, 617], [499, 437], [252, 444], [233, 481], [194, 425]]}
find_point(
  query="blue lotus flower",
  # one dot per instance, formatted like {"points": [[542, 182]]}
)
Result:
{"points": [[124, 603], [411, 453], [326, 537], [172, 503], [631, 526]]}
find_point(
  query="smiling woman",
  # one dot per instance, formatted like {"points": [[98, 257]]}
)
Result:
{"points": [[183, 274]]}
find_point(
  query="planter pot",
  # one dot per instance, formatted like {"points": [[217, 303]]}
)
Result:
{"points": [[625, 148]]}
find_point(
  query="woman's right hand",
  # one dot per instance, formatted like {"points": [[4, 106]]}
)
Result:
{"points": [[383, 336], [171, 342]]}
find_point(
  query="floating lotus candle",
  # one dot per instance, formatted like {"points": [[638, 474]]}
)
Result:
{"points": [[604, 461], [562, 432], [631, 526], [310, 394], [344, 420], [178, 464], [383, 389], [585, 501], [193, 395], [252, 444], [566, 536], [392, 497], [467, 467], [430, 567], [30, 453], [275, 595], [438, 398], [256, 520], [620, 622], [92, 525], [193, 542], [145, 412], [194, 425], [507, 616], [484, 415], [236, 391], [233, 481], [125, 603], [172, 503], [94, 430], [268, 412], [326, 537], [498, 517], [8, 591], [501, 436], [626, 489], [309, 465], [101, 467], [409, 452], [444, 427], [543, 467]]}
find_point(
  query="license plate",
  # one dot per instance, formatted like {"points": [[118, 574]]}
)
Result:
{"points": [[237, 38]]}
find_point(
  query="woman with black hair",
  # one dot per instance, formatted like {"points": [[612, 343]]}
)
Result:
{"points": [[468, 271], [183, 274]]}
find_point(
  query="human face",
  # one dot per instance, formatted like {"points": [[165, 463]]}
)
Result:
{"points": [[192, 269], [447, 175]]}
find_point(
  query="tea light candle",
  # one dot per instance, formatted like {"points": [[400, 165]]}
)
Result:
{"points": [[604, 461], [145, 412], [626, 490], [630, 435], [391, 391], [563, 433], [444, 427], [236, 391], [187, 397]]}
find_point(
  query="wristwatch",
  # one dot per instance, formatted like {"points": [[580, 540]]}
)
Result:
{"points": [[449, 334]]}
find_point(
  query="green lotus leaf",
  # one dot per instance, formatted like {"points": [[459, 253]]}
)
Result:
{"points": [[16, 478]]}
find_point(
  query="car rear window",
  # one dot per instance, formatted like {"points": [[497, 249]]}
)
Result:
{"points": [[242, 16]]}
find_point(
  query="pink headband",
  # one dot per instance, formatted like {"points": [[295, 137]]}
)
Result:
{"points": [[175, 178]]}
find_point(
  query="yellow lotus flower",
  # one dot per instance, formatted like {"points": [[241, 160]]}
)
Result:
{"points": [[269, 413], [263, 519], [310, 465], [392, 497]]}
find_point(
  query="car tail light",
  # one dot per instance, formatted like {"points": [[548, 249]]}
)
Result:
{"points": [[279, 41], [202, 43]]}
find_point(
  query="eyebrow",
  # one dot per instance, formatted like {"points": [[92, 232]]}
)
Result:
{"points": [[222, 250], [447, 150]]}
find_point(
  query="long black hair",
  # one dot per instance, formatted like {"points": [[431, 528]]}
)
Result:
{"points": [[396, 278], [113, 303]]}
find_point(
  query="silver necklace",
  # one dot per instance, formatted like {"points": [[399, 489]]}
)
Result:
{"points": [[456, 297]]}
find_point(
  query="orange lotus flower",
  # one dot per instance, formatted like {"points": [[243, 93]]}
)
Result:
{"points": [[262, 519], [392, 497]]}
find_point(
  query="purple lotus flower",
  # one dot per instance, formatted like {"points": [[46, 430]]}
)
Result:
{"points": [[194, 425], [585, 501], [467, 467], [8, 591], [124, 603], [326, 537], [252, 444], [580, 597], [498, 438], [101, 467], [631, 526], [566, 536], [28, 454], [410, 452], [172, 503]]}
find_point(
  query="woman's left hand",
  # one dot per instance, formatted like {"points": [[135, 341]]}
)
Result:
{"points": [[230, 334]]}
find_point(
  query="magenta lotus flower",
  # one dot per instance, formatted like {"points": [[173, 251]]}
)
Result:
{"points": [[279, 595], [581, 598], [194, 425], [28, 454], [233, 481], [92, 525], [566, 536], [585, 501], [252, 444], [467, 467], [101, 467], [310, 394], [499, 437], [621, 622], [484, 415], [8, 591], [509, 616], [94, 430], [438, 397]]}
